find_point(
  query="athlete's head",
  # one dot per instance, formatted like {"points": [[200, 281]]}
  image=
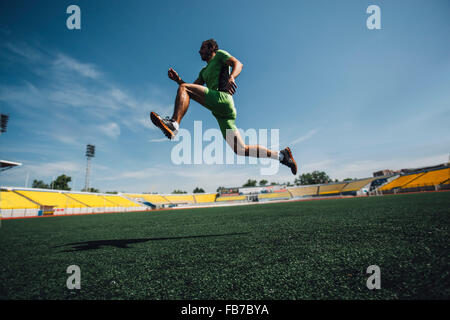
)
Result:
{"points": [[208, 48]]}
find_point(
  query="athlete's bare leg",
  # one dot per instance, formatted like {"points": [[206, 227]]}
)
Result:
{"points": [[187, 91], [236, 143]]}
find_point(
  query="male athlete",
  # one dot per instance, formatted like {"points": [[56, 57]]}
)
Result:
{"points": [[217, 96]]}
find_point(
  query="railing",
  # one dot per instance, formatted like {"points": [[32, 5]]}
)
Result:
{"points": [[423, 187], [21, 213]]}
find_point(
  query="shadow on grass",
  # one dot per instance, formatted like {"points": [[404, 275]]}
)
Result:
{"points": [[123, 243]]}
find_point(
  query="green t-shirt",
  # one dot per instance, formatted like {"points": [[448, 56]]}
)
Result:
{"points": [[216, 72]]}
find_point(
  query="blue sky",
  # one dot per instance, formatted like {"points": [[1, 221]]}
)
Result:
{"points": [[346, 99]]}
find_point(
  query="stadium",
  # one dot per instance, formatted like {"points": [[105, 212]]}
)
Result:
{"points": [[272, 242], [95, 201], [28, 202]]}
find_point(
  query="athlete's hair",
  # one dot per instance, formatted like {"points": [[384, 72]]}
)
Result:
{"points": [[212, 44]]}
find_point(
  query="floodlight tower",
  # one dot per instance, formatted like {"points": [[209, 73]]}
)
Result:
{"points": [[90, 153], [3, 122]]}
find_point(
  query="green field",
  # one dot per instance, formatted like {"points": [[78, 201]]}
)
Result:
{"points": [[295, 250]]}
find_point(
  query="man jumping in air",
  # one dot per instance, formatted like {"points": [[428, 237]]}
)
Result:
{"points": [[217, 96]]}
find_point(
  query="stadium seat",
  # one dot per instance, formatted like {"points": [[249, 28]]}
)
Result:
{"points": [[231, 198], [328, 189], [182, 198], [152, 198], [275, 195], [401, 181], [205, 198], [120, 201], [12, 200], [92, 200], [357, 184], [303, 191], [430, 178], [51, 198]]}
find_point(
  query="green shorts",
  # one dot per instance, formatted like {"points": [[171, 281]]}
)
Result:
{"points": [[222, 107]]}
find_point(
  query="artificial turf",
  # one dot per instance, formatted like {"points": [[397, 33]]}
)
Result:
{"points": [[293, 250]]}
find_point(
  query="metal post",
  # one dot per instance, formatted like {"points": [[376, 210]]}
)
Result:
{"points": [[88, 171], [1, 206], [90, 153]]}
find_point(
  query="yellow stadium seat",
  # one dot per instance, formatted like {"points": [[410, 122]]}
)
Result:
{"points": [[274, 195], [120, 201], [51, 198], [430, 178], [12, 200], [205, 198], [303, 191], [182, 198], [357, 185], [401, 181], [331, 188], [152, 198], [231, 198], [92, 200]]}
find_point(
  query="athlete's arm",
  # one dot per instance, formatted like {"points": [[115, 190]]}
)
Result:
{"points": [[199, 81], [235, 65], [236, 68], [173, 75]]}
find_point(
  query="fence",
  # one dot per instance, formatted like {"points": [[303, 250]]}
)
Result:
{"points": [[21, 213]]}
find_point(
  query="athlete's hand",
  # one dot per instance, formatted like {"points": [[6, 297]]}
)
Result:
{"points": [[173, 75], [231, 85]]}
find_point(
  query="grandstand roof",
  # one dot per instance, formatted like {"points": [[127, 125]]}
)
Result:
{"points": [[4, 165]]}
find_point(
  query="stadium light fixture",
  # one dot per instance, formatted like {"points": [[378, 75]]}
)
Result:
{"points": [[3, 122], [90, 151]]}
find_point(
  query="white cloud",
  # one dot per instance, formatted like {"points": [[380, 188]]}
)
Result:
{"points": [[170, 177], [66, 84], [65, 63], [26, 95], [305, 137], [24, 51], [142, 174], [46, 170], [24, 175], [158, 140], [5, 31], [111, 130], [317, 165], [68, 139]]}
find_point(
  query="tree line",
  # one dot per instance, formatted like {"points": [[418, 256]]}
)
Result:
{"points": [[62, 183], [315, 177]]}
